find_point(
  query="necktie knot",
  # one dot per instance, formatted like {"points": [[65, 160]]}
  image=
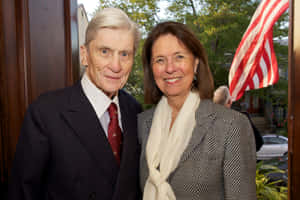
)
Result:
{"points": [[112, 110]]}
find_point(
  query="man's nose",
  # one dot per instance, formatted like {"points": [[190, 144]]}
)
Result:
{"points": [[115, 63]]}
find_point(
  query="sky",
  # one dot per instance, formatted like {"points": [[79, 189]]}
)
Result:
{"points": [[89, 5]]}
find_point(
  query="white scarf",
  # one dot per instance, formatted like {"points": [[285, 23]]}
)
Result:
{"points": [[164, 148]]}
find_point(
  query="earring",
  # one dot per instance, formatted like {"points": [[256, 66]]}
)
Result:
{"points": [[195, 82]]}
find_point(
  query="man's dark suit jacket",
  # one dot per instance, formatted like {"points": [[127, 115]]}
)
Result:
{"points": [[63, 152], [258, 138]]}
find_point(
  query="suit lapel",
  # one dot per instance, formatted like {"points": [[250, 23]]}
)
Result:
{"points": [[129, 157], [129, 124], [129, 129], [204, 121], [81, 116]]}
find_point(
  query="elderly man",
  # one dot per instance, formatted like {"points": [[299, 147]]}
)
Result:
{"points": [[81, 142], [222, 96]]}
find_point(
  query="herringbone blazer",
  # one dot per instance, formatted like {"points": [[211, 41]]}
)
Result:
{"points": [[219, 161]]}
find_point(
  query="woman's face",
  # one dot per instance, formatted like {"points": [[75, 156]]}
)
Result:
{"points": [[173, 66]]}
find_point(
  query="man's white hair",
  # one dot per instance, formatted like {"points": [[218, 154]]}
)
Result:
{"points": [[112, 18], [222, 95]]}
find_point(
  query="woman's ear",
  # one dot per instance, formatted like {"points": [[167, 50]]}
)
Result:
{"points": [[196, 65], [83, 55]]}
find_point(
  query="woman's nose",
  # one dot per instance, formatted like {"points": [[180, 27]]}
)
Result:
{"points": [[170, 67]]}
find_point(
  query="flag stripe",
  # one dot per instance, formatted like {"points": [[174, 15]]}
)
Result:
{"points": [[267, 61], [274, 66], [260, 76], [255, 81], [265, 68]]}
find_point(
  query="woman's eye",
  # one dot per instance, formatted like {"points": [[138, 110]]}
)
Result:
{"points": [[179, 56], [124, 54], [159, 61]]}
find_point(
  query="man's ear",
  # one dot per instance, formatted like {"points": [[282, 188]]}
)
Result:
{"points": [[83, 55], [229, 103]]}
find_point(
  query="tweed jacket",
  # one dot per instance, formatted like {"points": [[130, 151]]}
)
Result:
{"points": [[219, 161]]}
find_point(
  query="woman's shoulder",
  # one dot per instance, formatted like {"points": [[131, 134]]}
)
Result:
{"points": [[147, 114], [231, 118], [221, 113]]}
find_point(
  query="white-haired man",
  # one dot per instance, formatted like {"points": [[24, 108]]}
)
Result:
{"points": [[81, 142], [222, 96]]}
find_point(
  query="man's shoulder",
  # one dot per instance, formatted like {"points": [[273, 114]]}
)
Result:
{"points": [[130, 101], [126, 96], [54, 98]]}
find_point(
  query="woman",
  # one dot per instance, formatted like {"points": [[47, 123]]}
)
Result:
{"points": [[191, 147]]}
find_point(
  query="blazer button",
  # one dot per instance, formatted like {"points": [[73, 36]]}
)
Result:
{"points": [[92, 196]]}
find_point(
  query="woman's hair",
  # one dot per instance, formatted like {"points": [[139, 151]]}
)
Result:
{"points": [[204, 81], [112, 18]]}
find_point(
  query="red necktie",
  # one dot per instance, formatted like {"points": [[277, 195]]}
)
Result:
{"points": [[114, 132]]}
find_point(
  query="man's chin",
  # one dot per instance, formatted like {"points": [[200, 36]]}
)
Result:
{"points": [[112, 91]]}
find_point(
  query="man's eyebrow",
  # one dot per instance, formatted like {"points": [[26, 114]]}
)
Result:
{"points": [[103, 47], [121, 50]]}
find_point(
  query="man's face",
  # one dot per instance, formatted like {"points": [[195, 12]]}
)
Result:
{"points": [[109, 59]]}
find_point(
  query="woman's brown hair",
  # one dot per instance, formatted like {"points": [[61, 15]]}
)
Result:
{"points": [[204, 81]]}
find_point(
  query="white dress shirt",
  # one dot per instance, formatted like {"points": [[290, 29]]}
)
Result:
{"points": [[100, 102]]}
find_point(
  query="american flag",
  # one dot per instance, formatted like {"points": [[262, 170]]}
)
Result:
{"points": [[254, 64]]}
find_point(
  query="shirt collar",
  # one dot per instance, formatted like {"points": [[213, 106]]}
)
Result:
{"points": [[97, 97]]}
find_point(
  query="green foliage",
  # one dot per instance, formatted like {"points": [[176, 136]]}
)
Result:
{"points": [[266, 189], [143, 12]]}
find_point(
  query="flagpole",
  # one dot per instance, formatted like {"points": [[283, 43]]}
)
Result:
{"points": [[294, 102]]}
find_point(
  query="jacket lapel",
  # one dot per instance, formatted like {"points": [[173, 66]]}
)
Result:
{"points": [[130, 152], [204, 121], [82, 118], [129, 125]]}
